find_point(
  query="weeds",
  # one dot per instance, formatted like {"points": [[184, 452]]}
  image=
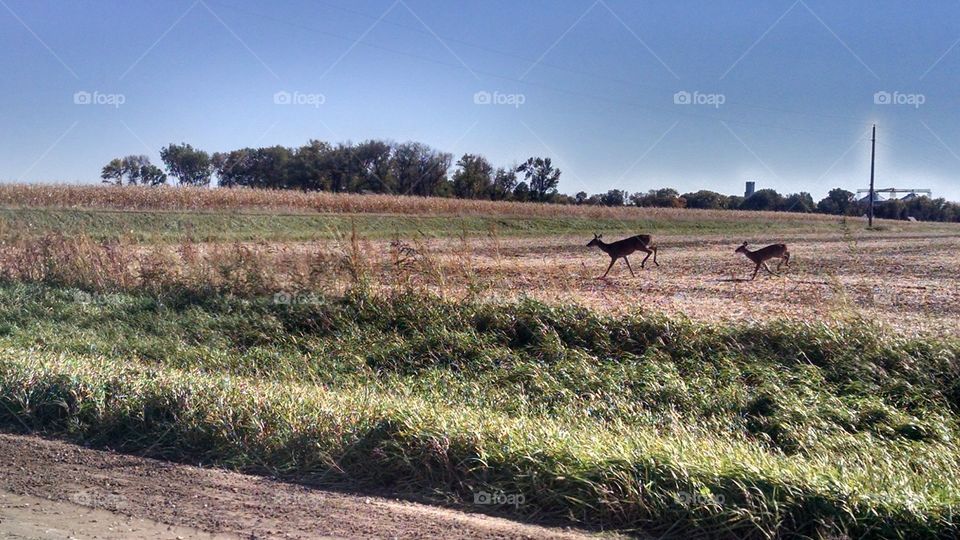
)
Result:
{"points": [[627, 421]]}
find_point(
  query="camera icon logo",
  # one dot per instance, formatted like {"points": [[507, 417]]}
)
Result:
{"points": [[482, 497], [82, 98], [882, 98], [682, 98], [282, 298], [482, 98], [282, 98]]}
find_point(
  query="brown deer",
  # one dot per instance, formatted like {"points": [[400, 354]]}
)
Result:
{"points": [[621, 248], [762, 255]]}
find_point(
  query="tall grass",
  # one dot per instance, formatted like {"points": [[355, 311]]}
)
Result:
{"points": [[629, 422]]}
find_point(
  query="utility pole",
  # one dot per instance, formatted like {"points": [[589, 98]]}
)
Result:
{"points": [[873, 155]]}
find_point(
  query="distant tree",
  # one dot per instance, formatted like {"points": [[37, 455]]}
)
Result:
{"points": [[132, 166], [521, 192], [614, 197], [541, 177], [836, 202], [232, 168], [764, 199], [562, 198], [798, 202], [112, 173], [504, 182], [137, 169], [581, 197], [151, 175], [306, 167], [704, 199], [660, 198], [734, 202], [421, 170], [474, 178], [374, 173], [190, 166]]}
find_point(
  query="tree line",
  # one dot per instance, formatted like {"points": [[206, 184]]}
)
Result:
{"points": [[413, 168], [369, 167]]}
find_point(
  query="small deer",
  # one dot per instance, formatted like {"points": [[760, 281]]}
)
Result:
{"points": [[762, 255], [621, 248]]}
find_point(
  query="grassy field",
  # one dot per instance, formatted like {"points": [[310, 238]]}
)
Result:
{"points": [[449, 351], [171, 226]]}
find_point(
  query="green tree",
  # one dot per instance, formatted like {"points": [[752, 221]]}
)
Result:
{"points": [[190, 166], [151, 175], [504, 182], [521, 192], [764, 199], [541, 177], [421, 170], [112, 173], [707, 200], [305, 168], [836, 202], [473, 178], [798, 202], [137, 169], [660, 198], [614, 197], [373, 170]]}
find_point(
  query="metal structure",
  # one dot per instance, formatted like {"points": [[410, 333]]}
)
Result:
{"points": [[895, 191], [751, 189], [873, 192]]}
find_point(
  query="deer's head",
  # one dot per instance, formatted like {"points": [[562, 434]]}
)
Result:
{"points": [[595, 241], [742, 248]]}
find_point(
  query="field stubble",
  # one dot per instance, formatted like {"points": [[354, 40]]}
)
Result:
{"points": [[908, 283]]}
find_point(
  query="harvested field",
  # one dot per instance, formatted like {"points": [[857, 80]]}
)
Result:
{"points": [[906, 281]]}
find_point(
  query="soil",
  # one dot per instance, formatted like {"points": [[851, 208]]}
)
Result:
{"points": [[50, 489]]}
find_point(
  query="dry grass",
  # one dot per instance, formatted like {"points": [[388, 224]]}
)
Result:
{"points": [[213, 200], [908, 283]]}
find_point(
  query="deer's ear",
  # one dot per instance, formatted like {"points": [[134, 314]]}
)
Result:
{"points": [[601, 236], [744, 244]]}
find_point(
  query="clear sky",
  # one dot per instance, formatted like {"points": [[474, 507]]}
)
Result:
{"points": [[621, 94]]}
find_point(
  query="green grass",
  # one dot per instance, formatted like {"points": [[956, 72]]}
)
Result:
{"points": [[631, 422], [165, 226]]}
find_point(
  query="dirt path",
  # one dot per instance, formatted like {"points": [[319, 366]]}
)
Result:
{"points": [[50, 489]]}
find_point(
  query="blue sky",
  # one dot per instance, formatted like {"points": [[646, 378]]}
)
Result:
{"points": [[621, 94]]}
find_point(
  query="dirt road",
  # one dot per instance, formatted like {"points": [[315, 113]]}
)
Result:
{"points": [[54, 490]]}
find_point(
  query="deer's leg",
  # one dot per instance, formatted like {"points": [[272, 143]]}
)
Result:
{"points": [[767, 268], [648, 252], [626, 260], [786, 258], [654, 248], [612, 260], [755, 270]]}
